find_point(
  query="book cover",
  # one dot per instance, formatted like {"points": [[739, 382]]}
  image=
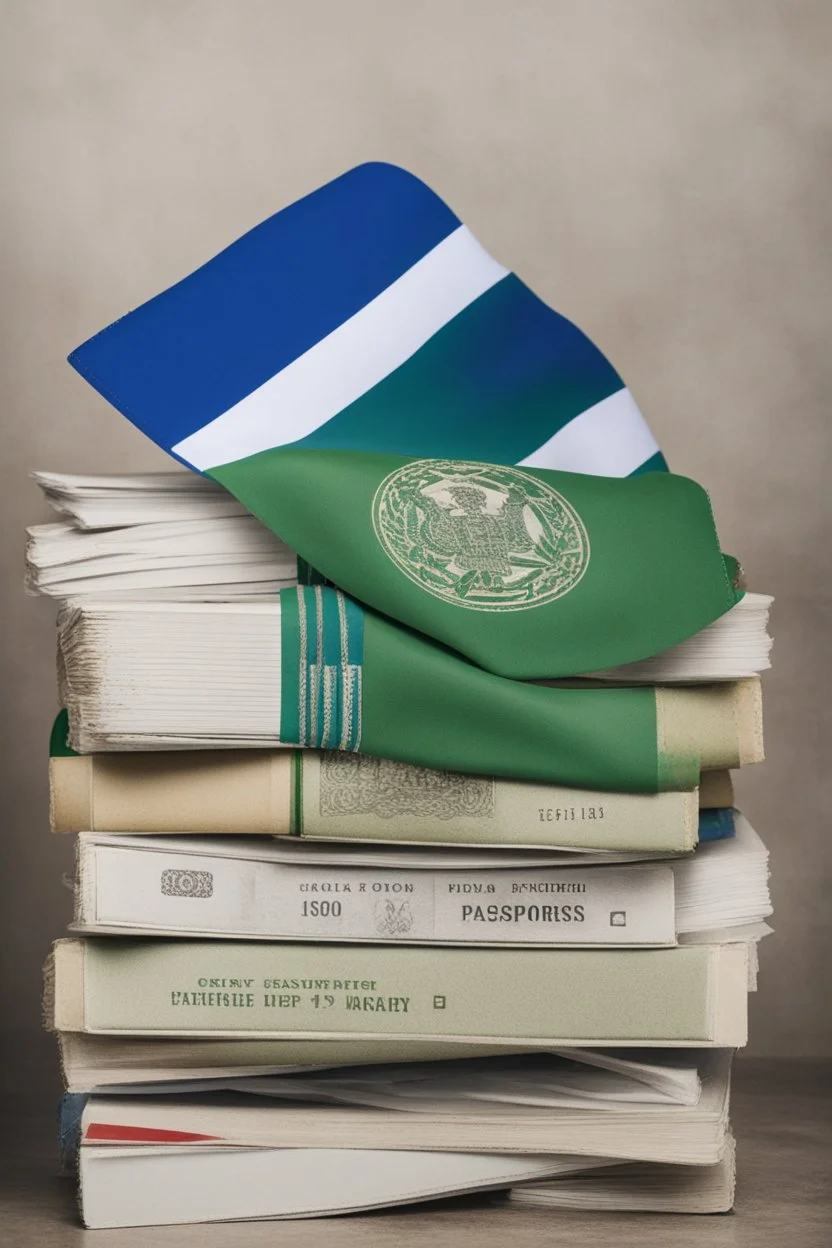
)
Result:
{"points": [[164, 887], [286, 890], [690, 995]]}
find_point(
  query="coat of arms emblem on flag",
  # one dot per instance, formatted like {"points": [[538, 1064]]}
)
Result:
{"points": [[487, 537]]}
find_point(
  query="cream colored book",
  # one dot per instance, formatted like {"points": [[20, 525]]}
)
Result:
{"points": [[690, 995], [336, 795]]}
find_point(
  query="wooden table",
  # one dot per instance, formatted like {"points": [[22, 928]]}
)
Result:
{"points": [[782, 1114]]}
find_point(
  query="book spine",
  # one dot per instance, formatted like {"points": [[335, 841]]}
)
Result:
{"points": [[151, 891], [222, 791], [690, 995]]}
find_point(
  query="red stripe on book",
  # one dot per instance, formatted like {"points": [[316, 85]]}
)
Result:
{"points": [[141, 1135]]}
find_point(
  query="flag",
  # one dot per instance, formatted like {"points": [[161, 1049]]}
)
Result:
{"points": [[424, 431], [366, 316], [353, 680], [531, 574]]}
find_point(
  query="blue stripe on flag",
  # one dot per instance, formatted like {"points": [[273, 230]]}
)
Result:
{"points": [[189, 354], [497, 382]]}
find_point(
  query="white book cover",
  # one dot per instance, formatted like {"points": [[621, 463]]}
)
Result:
{"points": [[282, 890], [146, 1186], [142, 888]]}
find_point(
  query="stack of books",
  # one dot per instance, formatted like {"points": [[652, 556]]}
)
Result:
{"points": [[396, 737], [153, 536], [426, 981]]}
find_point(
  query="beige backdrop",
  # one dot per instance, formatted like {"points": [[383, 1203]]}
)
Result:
{"points": [[657, 169]]}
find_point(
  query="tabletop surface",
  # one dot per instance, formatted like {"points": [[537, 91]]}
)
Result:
{"points": [[782, 1117]]}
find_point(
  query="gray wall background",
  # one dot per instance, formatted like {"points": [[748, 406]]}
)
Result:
{"points": [[658, 170]]}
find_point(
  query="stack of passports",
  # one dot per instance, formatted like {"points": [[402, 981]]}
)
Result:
{"points": [[396, 738], [505, 945]]}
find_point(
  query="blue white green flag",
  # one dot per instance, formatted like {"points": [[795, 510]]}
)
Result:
{"points": [[366, 316]]}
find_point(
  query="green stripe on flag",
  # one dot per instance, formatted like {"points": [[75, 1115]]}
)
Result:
{"points": [[529, 573], [353, 686], [424, 704]]}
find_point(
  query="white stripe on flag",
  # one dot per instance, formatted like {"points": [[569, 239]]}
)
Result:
{"points": [[353, 358], [610, 439]]}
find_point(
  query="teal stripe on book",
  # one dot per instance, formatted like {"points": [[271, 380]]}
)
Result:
{"points": [[290, 667], [322, 639]]}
